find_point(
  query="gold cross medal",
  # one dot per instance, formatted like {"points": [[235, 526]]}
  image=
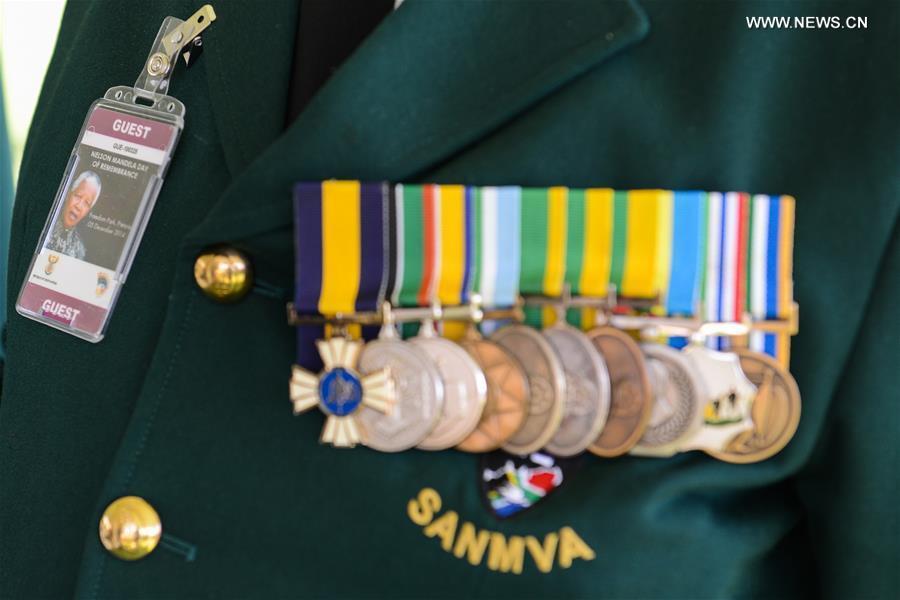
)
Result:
{"points": [[341, 391]]}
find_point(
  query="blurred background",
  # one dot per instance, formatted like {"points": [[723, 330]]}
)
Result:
{"points": [[28, 30]]}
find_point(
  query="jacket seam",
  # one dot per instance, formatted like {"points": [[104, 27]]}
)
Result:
{"points": [[149, 424]]}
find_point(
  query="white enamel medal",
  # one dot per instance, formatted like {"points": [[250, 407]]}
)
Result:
{"points": [[727, 406]]}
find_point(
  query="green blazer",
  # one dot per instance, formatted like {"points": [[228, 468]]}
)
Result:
{"points": [[185, 401], [6, 199]]}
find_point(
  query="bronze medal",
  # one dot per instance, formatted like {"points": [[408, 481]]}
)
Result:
{"points": [[632, 398], [507, 396], [775, 411]]}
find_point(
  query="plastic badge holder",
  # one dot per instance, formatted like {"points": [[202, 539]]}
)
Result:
{"points": [[108, 191]]}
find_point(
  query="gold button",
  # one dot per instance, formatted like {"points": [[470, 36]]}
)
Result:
{"points": [[130, 529], [224, 274]]}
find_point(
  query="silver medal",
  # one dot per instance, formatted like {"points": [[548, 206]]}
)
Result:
{"points": [[678, 394], [465, 389], [420, 394], [547, 384], [587, 390]]}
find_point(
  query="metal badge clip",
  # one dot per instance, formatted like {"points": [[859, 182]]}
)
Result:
{"points": [[175, 38]]}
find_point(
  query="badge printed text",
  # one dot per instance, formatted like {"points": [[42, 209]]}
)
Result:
{"points": [[504, 554]]}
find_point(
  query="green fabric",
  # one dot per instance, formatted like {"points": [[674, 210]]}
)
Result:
{"points": [[185, 401], [619, 238], [6, 200], [704, 232], [574, 249], [574, 239], [532, 264], [748, 245], [413, 235], [475, 223], [534, 241]]}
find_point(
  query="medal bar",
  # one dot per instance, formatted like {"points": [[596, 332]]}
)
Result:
{"points": [[468, 313], [665, 325], [670, 326]]}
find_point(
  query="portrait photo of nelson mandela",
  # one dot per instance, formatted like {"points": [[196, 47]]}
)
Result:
{"points": [[82, 197]]}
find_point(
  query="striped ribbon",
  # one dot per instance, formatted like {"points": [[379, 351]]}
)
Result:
{"points": [[498, 219], [688, 259], [435, 243], [543, 242], [750, 264], [343, 261], [724, 293], [361, 243], [344, 253], [496, 257], [625, 239], [597, 234], [647, 258], [415, 212], [770, 293], [576, 248]]}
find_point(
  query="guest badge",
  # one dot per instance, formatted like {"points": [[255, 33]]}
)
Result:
{"points": [[108, 191]]}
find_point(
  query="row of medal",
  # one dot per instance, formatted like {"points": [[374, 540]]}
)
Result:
{"points": [[559, 390]]}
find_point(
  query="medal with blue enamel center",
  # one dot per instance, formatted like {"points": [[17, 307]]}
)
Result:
{"points": [[340, 391]]}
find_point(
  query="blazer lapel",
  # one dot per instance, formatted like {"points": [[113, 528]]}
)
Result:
{"points": [[248, 67], [433, 78]]}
